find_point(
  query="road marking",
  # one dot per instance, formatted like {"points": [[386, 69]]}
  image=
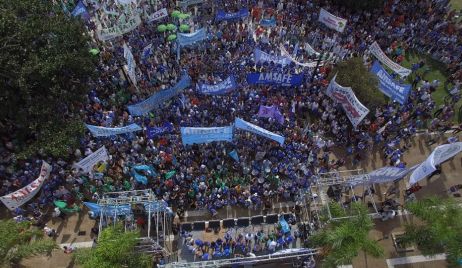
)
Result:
{"points": [[414, 259]]}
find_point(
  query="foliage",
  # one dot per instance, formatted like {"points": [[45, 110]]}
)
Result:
{"points": [[360, 5], [44, 69], [441, 229], [16, 243], [342, 240], [116, 248], [353, 73]]}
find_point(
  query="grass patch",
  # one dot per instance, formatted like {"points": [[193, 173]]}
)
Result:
{"points": [[456, 4]]}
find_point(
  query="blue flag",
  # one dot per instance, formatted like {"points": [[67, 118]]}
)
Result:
{"points": [[233, 154], [241, 124], [153, 132], [390, 87], [149, 170]]}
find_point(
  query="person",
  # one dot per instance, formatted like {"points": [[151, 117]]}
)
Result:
{"points": [[68, 249], [49, 231]]}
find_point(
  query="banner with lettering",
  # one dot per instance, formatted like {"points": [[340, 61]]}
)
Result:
{"points": [[262, 57], [21, 196], [226, 86], [191, 135], [280, 79], [291, 58], [222, 15], [153, 132], [187, 3], [87, 164], [159, 98], [271, 112], [393, 89], [354, 109], [131, 65], [108, 131], [244, 125], [382, 57], [129, 25], [110, 211], [159, 14], [332, 21], [271, 22], [191, 38]]}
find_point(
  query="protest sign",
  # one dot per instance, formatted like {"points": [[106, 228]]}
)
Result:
{"points": [[393, 89], [130, 24], [380, 55], [332, 21], [226, 86], [158, 15], [87, 164], [191, 135]]}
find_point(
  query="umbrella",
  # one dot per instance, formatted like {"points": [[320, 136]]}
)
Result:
{"points": [[94, 51], [161, 28], [60, 204], [184, 27], [171, 27], [176, 13], [183, 16], [171, 37]]}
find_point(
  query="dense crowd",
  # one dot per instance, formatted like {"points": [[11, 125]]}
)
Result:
{"points": [[206, 177]]}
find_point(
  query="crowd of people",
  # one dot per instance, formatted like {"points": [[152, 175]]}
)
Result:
{"points": [[206, 177]]}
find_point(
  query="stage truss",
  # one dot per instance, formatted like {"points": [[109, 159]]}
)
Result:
{"points": [[121, 206], [349, 181]]}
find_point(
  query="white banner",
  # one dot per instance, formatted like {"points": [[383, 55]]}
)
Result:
{"points": [[21, 196], [310, 50], [382, 57], [90, 161], [287, 55], [131, 65], [438, 156], [120, 29], [354, 109], [332, 21], [158, 15]]}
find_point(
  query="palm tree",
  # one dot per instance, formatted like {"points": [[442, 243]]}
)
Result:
{"points": [[439, 229], [16, 242], [343, 239]]}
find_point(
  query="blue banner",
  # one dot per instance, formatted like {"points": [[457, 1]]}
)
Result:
{"points": [[233, 154], [268, 22], [152, 132], [107, 131], [241, 124], [390, 87], [112, 211], [261, 56], [191, 38], [226, 86], [156, 206], [191, 135], [147, 50], [81, 10], [280, 79], [242, 13], [284, 225], [158, 98], [148, 170]]}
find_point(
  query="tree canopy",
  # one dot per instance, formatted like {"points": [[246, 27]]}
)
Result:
{"points": [[116, 248], [16, 242], [353, 73], [44, 68], [440, 230], [343, 239]]}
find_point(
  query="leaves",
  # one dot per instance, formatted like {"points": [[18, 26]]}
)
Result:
{"points": [[440, 230], [16, 244]]}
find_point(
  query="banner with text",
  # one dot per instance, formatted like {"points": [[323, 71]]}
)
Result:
{"points": [[107, 131], [226, 86], [222, 15], [130, 24], [158, 15], [271, 22], [287, 54], [354, 109], [244, 125], [262, 57], [191, 38], [159, 97], [87, 164], [332, 21], [393, 89], [21, 196], [110, 211], [280, 79], [382, 57], [153, 132], [191, 135]]}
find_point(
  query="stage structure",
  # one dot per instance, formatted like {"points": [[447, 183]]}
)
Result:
{"points": [[124, 206], [345, 185]]}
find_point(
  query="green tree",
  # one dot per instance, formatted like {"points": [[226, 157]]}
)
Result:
{"points": [[439, 229], [45, 65], [116, 248], [353, 73], [16, 242], [343, 239]]}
